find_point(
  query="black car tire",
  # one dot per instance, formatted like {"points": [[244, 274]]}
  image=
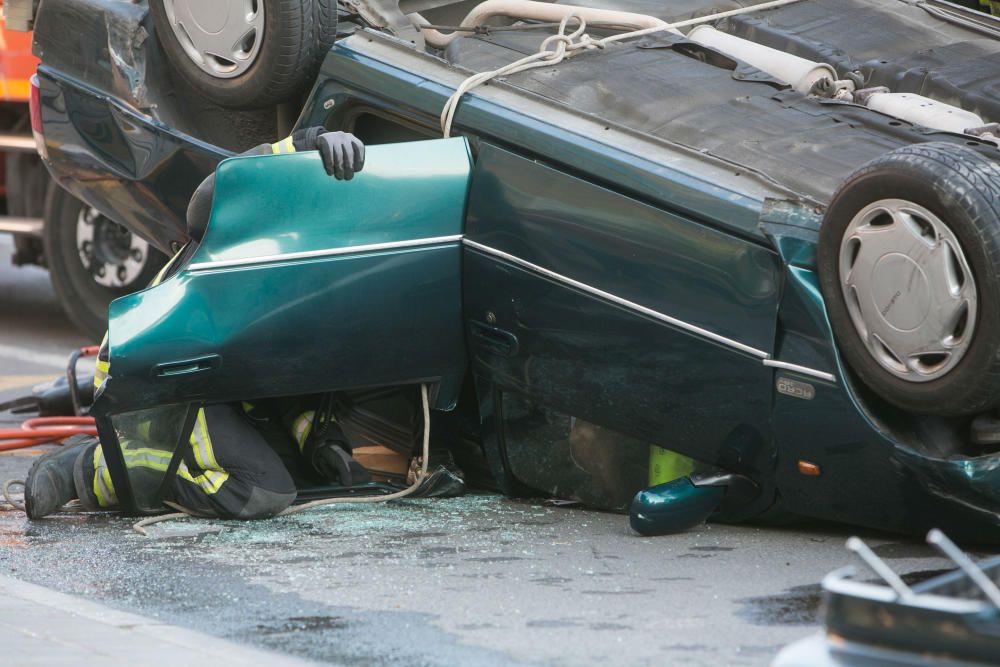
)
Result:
{"points": [[962, 187], [84, 300], [297, 35]]}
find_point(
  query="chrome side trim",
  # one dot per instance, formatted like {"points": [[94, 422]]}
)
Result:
{"points": [[804, 370], [617, 300], [326, 252]]}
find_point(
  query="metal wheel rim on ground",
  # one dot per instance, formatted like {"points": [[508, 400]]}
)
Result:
{"points": [[221, 37], [909, 290]]}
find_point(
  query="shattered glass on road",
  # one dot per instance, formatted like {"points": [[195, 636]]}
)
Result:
{"points": [[479, 580]]}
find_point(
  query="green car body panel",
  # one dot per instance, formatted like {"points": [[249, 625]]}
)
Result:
{"points": [[312, 269]]}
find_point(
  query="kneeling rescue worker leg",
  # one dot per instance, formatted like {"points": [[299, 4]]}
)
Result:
{"points": [[229, 471]]}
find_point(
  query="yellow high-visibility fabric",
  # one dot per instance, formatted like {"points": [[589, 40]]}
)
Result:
{"points": [[104, 491], [284, 146], [213, 476], [101, 371], [210, 481], [201, 444], [301, 427], [666, 466]]}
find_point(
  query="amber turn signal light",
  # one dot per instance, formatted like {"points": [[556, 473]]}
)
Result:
{"points": [[808, 468]]}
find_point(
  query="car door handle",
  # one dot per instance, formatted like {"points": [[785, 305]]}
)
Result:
{"points": [[187, 367], [497, 340]]}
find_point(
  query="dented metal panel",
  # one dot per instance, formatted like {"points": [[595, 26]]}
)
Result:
{"points": [[324, 285]]}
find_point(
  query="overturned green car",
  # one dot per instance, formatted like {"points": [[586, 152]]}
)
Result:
{"points": [[785, 267]]}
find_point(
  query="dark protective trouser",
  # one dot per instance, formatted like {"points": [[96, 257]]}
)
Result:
{"points": [[229, 470]]}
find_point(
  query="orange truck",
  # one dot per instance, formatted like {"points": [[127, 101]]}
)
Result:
{"points": [[91, 260]]}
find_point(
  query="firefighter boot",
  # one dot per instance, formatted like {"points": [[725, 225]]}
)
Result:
{"points": [[50, 483]]}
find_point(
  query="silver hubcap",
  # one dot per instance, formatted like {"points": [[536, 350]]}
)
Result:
{"points": [[222, 37], [114, 256], [909, 290]]}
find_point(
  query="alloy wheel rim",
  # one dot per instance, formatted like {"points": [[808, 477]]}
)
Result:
{"points": [[221, 37], [909, 290], [114, 256]]}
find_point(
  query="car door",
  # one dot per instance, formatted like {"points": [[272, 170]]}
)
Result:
{"points": [[599, 324], [302, 284]]}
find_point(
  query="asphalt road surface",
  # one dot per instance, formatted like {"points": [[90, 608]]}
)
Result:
{"points": [[479, 580]]}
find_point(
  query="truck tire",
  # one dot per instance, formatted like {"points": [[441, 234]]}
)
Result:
{"points": [[26, 181], [275, 55], [909, 268], [92, 260]]}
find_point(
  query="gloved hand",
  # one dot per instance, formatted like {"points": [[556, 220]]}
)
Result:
{"points": [[333, 461], [343, 153]]}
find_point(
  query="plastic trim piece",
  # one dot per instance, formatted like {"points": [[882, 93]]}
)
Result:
{"points": [[325, 252]]}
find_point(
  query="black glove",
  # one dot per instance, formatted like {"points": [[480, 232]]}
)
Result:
{"points": [[342, 153], [333, 461]]}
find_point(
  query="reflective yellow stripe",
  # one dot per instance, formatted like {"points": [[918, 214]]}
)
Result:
{"points": [[101, 372], [144, 457], [104, 490], [301, 427], [148, 451], [286, 145], [210, 481], [201, 444], [102, 365]]}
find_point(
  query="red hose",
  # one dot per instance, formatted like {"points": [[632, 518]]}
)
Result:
{"points": [[42, 430]]}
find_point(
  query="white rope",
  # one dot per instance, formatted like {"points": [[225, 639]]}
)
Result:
{"points": [[140, 526], [543, 58], [7, 494], [392, 496], [568, 45]]}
